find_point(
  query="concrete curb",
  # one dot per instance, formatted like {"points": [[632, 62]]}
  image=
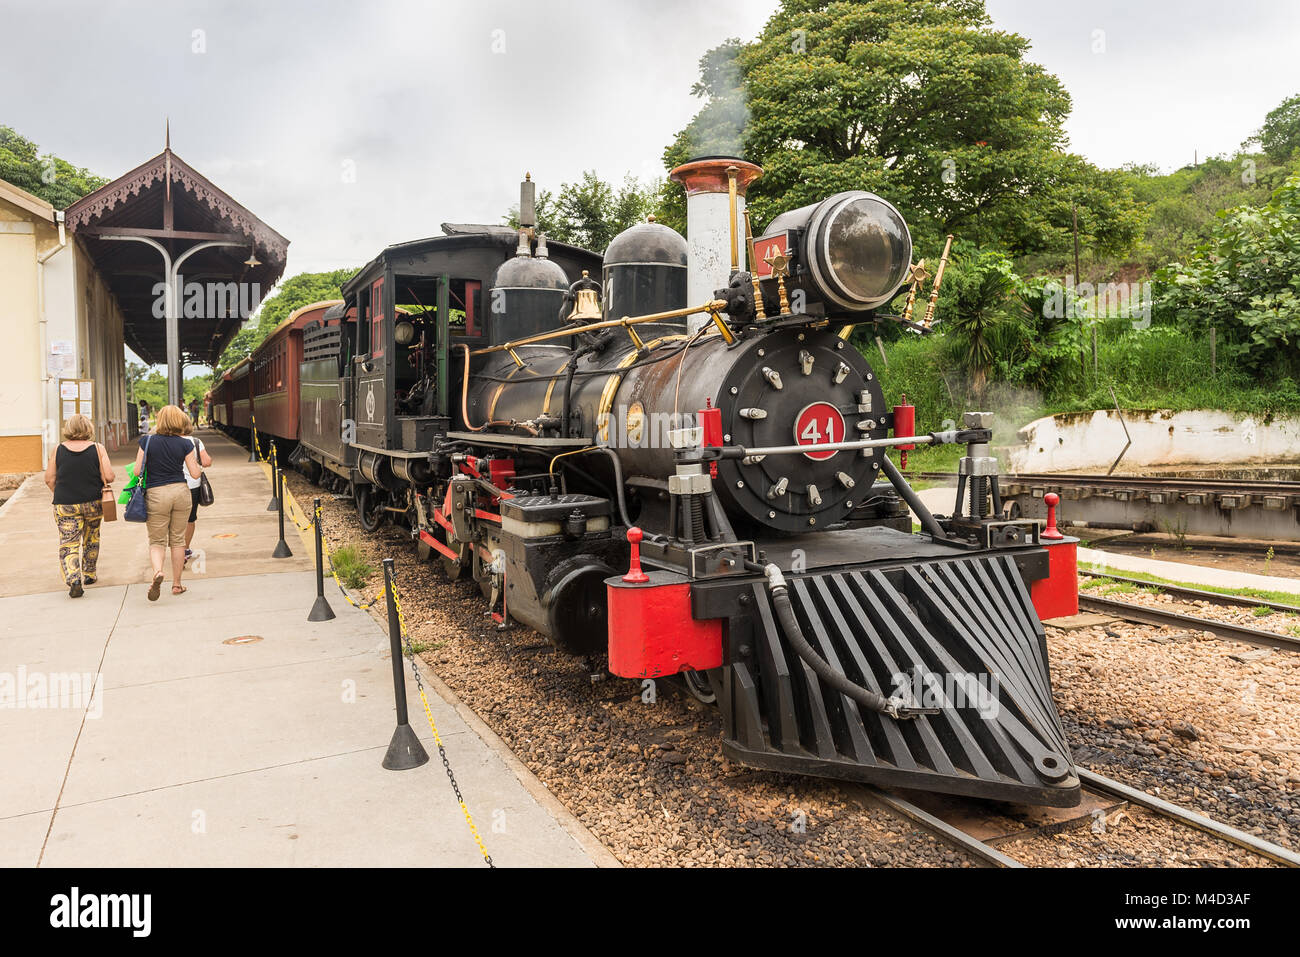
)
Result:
{"points": [[21, 490]]}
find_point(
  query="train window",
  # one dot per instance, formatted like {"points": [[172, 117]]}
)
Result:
{"points": [[377, 318], [473, 290]]}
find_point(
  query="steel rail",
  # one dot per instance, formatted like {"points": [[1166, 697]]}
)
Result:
{"points": [[1172, 619], [1172, 483], [1274, 852], [947, 832], [1218, 598]]}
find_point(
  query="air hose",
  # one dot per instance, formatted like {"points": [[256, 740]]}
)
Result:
{"points": [[896, 707]]}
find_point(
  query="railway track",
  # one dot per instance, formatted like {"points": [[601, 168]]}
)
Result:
{"points": [[1197, 594], [1157, 482], [1098, 785], [1145, 615]]}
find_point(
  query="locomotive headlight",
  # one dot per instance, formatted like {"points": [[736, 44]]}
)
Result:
{"points": [[855, 246], [858, 249]]}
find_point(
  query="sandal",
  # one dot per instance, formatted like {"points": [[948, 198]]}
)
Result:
{"points": [[156, 588], [179, 589]]}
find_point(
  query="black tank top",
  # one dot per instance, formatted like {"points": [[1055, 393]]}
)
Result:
{"points": [[76, 476]]}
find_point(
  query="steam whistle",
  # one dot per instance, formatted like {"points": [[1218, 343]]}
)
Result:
{"points": [[918, 274], [938, 281], [759, 311]]}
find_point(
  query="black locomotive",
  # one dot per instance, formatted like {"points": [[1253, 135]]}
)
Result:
{"points": [[702, 488]]}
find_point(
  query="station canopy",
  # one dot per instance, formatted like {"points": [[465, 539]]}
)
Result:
{"points": [[168, 202]]}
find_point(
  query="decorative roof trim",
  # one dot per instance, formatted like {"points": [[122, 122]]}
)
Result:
{"points": [[91, 208]]}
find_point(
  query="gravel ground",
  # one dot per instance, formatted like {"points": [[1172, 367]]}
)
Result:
{"points": [[648, 779], [1131, 837], [1172, 714], [1202, 722]]}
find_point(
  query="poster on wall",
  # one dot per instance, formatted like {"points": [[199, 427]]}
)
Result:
{"points": [[68, 390]]}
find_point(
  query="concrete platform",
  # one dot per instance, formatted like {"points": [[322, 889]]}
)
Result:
{"points": [[234, 536], [192, 751]]}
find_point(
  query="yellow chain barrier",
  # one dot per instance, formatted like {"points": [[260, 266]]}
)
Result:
{"points": [[293, 510], [428, 713]]}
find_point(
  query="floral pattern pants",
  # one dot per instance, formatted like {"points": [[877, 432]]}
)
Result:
{"points": [[78, 539]]}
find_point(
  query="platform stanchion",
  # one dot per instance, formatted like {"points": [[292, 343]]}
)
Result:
{"points": [[321, 611], [252, 441], [404, 750], [274, 504], [281, 547]]}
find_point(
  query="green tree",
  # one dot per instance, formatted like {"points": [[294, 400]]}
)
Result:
{"points": [[1279, 137], [135, 372], [921, 101], [1245, 283], [591, 212], [54, 180], [197, 386], [300, 290]]}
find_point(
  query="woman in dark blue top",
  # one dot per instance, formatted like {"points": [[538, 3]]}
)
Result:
{"points": [[165, 455]]}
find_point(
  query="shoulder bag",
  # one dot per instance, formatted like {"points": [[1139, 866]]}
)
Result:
{"points": [[137, 510]]}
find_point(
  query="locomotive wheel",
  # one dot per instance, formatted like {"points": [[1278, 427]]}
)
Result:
{"points": [[697, 683], [453, 570], [370, 511]]}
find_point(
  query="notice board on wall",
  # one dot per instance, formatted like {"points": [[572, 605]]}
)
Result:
{"points": [[77, 396]]}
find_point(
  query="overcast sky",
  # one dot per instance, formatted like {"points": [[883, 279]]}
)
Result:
{"points": [[439, 107]]}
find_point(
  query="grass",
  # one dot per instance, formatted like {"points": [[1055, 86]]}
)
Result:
{"points": [[1261, 611], [420, 647], [1282, 597], [1161, 367], [352, 568]]}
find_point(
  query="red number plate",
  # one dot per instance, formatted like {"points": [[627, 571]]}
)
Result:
{"points": [[819, 424]]}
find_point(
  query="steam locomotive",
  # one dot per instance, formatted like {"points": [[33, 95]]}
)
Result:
{"points": [[673, 456]]}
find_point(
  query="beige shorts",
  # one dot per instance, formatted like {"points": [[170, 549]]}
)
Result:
{"points": [[169, 510]]}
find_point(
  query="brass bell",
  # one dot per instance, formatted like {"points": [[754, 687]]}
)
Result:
{"points": [[586, 303]]}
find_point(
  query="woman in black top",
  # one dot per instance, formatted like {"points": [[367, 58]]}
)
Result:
{"points": [[77, 473], [170, 455]]}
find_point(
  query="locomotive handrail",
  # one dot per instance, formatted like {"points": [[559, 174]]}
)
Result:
{"points": [[712, 306], [934, 438]]}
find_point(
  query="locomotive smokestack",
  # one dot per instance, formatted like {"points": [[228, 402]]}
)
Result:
{"points": [[527, 202], [713, 226]]}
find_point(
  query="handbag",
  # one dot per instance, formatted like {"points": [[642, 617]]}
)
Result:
{"points": [[108, 502], [205, 490], [137, 509], [205, 487]]}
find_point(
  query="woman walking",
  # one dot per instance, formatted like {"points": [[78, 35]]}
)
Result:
{"points": [[205, 460], [77, 472], [167, 456]]}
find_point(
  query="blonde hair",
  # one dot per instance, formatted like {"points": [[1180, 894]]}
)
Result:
{"points": [[78, 428], [171, 421]]}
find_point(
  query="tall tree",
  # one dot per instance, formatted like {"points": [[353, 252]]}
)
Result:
{"points": [[1279, 137], [54, 180], [921, 101], [591, 212]]}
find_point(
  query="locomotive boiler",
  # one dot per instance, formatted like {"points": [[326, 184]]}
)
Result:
{"points": [[673, 456]]}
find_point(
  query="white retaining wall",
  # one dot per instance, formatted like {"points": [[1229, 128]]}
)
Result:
{"points": [[1073, 441]]}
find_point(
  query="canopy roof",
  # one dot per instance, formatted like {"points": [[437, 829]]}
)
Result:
{"points": [[169, 202]]}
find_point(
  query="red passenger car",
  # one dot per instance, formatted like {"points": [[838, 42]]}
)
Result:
{"points": [[274, 374]]}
